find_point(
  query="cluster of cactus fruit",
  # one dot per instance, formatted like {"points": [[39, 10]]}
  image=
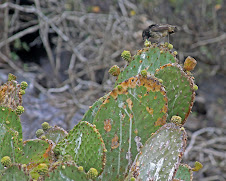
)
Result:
{"points": [[135, 132]]}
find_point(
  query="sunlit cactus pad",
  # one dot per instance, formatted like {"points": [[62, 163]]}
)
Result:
{"points": [[184, 173], [36, 151], [55, 134], [10, 95], [179, 88], [91, 113], [161, 155], [13, 173], [133, 110], [66, 171], [85, 144], [10, 119], [149, 58]]}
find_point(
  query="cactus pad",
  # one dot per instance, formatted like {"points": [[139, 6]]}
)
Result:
{"points": [[85, 144], [91, 113], [161, 155], [35, 152], [10, 95], [13, 173], [150, 59], [9, 143], [127, 118], [184, 173], [66, 171], [55, 134], [179, 87], [11, 120]]}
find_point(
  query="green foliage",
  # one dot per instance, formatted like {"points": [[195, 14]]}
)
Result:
{"points": [[123, 136]]}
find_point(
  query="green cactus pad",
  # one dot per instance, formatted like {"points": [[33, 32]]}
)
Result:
{"points": [[35, 152], [161, 155], [9, 144], [91, 113], [184, 173], [85, 144], [149, 59], [11, 119], [126, 120], [66, 171], [179, 88], [10, 95], [13, 173], [55, 134]]}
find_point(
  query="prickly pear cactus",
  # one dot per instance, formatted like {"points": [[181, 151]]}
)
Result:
{"points": [[160, 157], [133, 110], [125, 135]]}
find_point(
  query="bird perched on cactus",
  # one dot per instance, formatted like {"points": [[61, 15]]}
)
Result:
{"points": [[156, 32]]}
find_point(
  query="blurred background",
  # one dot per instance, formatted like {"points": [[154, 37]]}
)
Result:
{"points": [[64, 49]]}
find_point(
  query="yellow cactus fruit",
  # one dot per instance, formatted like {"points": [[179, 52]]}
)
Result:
{"points": [[189, 63], [147, 43]]}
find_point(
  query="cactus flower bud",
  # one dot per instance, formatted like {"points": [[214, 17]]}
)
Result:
{"points": [[19, 110], [126, 55], [23, 85], [6, 161], [176, 120], [45, 126], [39, 132], [114, 70], [92, 173], [144, 73]]}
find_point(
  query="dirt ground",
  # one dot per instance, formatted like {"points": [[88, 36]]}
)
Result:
{"points": [[65, 48]]}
